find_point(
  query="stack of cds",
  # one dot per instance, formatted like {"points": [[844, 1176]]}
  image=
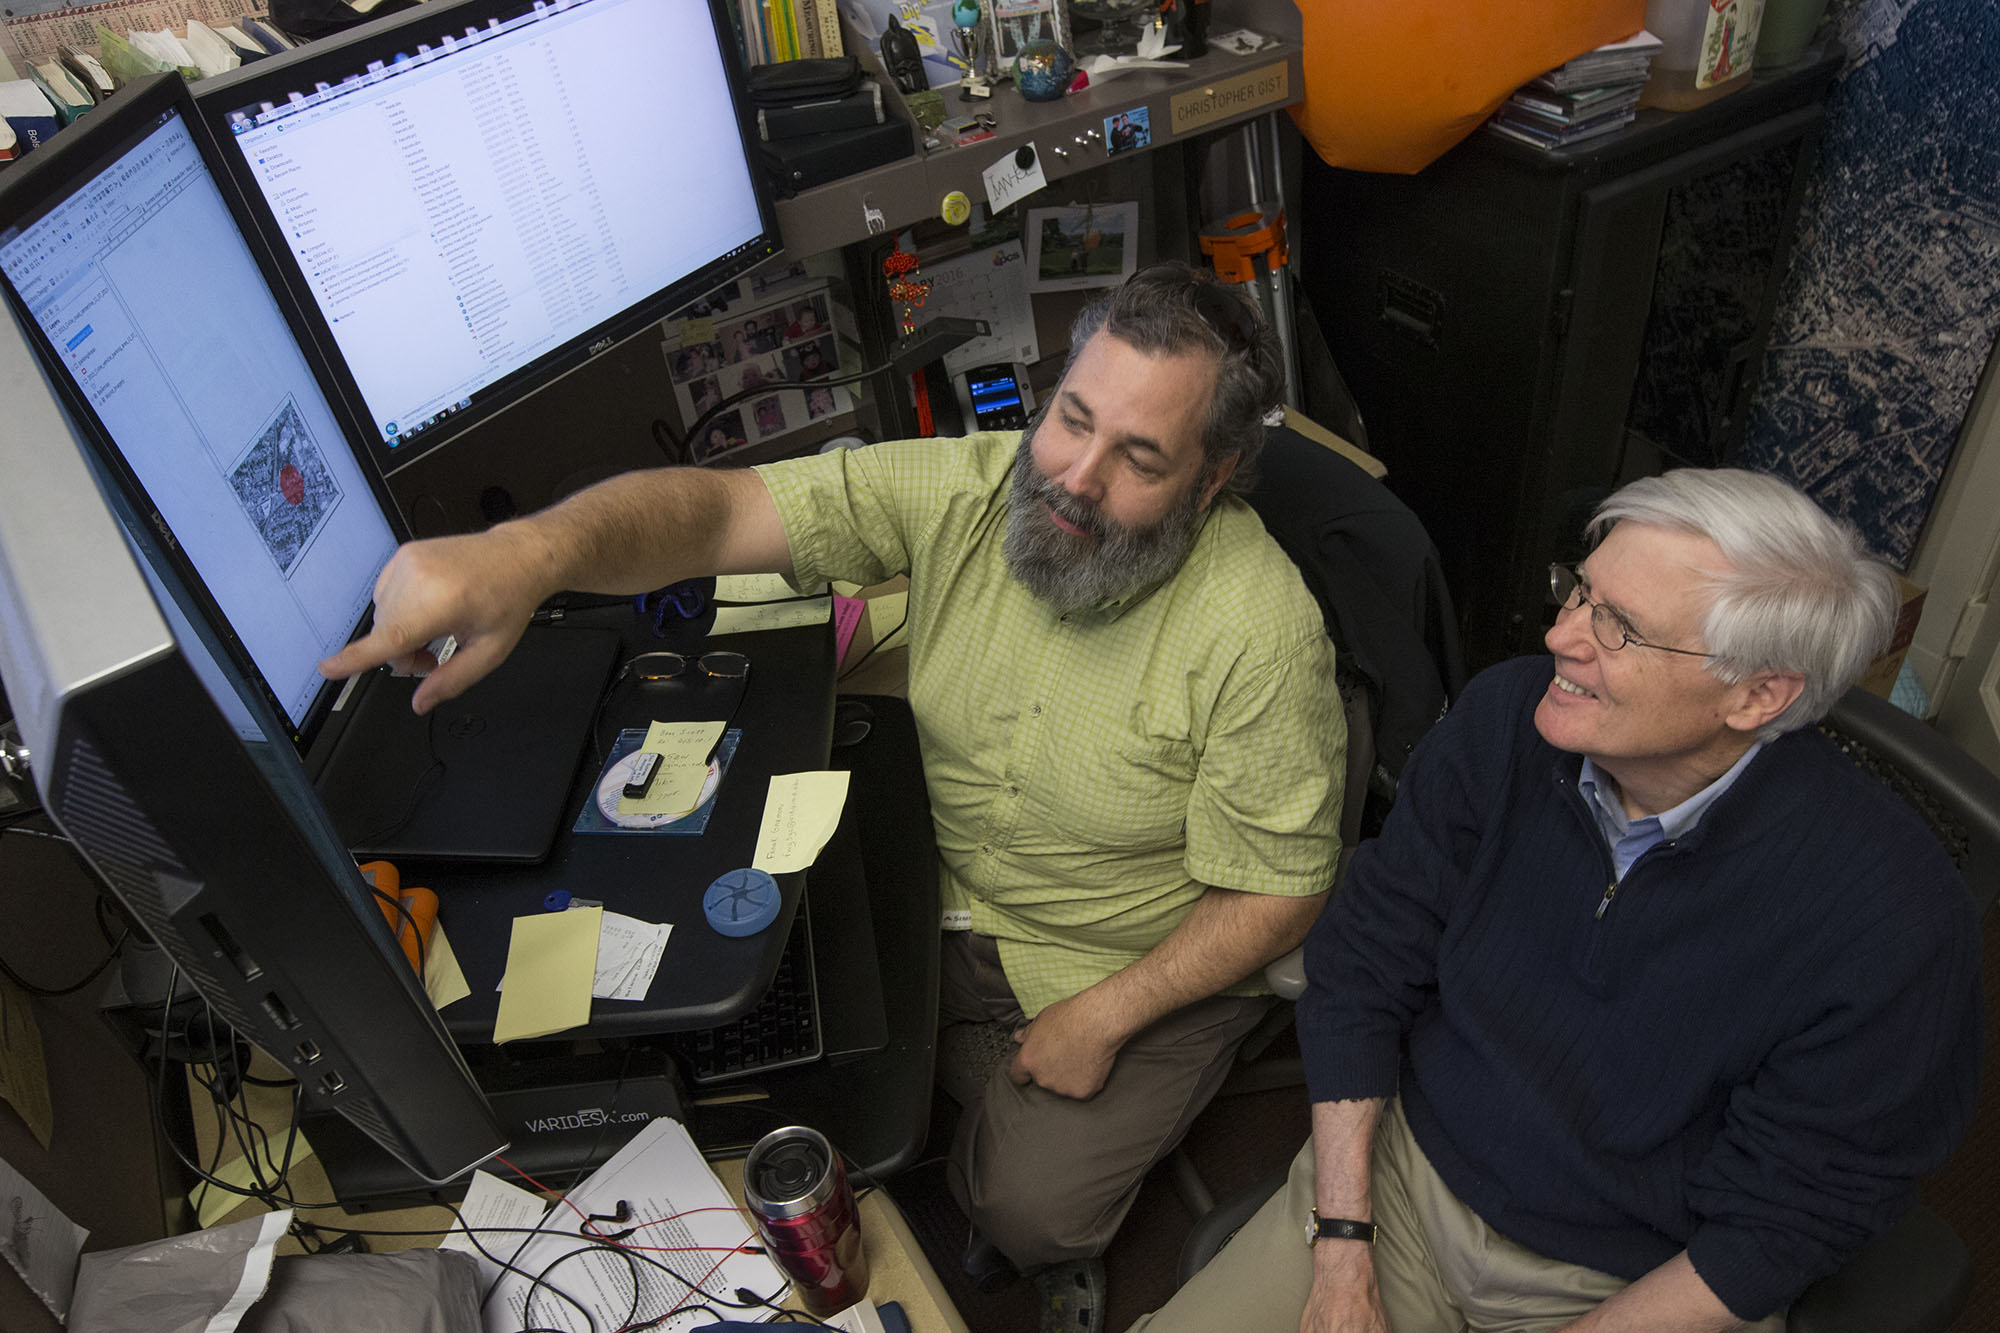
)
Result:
{"points": [[1593, 94]]}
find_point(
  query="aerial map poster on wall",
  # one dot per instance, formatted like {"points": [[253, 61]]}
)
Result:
{"points": [[1888, 315]]}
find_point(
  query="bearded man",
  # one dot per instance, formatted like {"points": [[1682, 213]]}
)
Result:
{"points": [[1125, 701]]}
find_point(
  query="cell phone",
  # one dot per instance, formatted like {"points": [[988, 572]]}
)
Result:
{"points": [[995, 397], [643, 772]]}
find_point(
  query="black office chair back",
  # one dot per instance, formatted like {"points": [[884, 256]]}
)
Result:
{"points": [[1953, 793], [1375, 573]]}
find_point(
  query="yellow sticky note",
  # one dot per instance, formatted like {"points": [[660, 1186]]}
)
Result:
{"points": [[695, 328], [683, 749], [211, 1204], [801, 812], [551, 962], [444, 979], [771, 615], [887, 613], [753, 588]]}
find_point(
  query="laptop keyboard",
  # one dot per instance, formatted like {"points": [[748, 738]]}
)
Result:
{"points": [[782, 1030]]}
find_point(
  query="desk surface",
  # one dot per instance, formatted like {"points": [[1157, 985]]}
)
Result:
{"points": [[878, 875], [786, 717]]}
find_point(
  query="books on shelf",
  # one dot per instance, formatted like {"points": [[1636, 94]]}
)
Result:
{"points": [[776, 30], [1591, 95]]}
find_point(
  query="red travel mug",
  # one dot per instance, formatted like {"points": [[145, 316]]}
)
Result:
{"points": [[798, 1192]]}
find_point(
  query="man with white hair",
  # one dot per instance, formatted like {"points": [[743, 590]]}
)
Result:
{"points": [[1648, 1007]]}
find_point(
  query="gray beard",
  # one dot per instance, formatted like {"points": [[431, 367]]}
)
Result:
{"points": [[1072, 573]]}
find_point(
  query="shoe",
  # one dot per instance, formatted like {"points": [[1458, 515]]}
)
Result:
{"points": [[1072, 1296], [989, 1269]]}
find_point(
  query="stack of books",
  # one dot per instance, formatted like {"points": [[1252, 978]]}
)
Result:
{"points": [[1593, 94]]}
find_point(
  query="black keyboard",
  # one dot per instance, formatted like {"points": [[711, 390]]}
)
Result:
{"points": [[782, 1030]]}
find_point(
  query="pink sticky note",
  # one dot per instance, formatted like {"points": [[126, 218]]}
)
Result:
{"points": [[847, 613]]}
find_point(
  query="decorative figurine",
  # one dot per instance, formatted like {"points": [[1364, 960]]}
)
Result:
{"points": [[1042, 71], [902, 58]]}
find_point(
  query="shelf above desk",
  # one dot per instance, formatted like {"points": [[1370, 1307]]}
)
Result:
{"points": [[1215, 91]]}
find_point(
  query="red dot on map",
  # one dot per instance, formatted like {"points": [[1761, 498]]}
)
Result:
{"points": [[292, 484]]}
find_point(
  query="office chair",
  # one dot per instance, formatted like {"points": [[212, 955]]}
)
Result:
{"points": [[1915, 1277], [1368, 562]]}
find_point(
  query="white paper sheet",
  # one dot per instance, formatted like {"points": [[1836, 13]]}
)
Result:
{"points": [[38, 1240], [678, 1204]]}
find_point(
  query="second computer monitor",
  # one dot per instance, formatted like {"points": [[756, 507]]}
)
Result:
{"points": [[478, 196]]}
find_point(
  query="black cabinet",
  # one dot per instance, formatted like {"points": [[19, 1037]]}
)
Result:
{"points": [[1523, 331]]}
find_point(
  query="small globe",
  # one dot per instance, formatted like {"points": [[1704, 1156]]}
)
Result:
{"points": [[1042, 71], [965, 14]]}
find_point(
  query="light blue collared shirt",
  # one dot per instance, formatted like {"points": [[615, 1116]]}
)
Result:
{"points": [[1629, 839]]}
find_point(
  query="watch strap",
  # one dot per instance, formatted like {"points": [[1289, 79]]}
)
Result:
{"points": [[1338, 1228]]}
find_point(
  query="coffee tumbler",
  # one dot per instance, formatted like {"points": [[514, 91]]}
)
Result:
{"points": [[805, 1212]]}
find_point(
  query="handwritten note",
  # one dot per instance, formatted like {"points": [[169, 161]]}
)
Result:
{"points": [[1006, 180], [551, 963], [771, 615], [683, 749], [628, 954], [801, 812], [755, 588]]}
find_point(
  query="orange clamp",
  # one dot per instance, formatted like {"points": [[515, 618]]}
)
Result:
{"points": [[1232, 244]]}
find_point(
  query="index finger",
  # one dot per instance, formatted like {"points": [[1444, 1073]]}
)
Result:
{"points": [[378, 646]]}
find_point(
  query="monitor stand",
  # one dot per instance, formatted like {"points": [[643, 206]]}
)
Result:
{"points": [[483, 777]]}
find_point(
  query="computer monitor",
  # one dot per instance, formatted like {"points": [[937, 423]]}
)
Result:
{"points": [[175, 347], [214, 843], [178, 354], [474, 198]]}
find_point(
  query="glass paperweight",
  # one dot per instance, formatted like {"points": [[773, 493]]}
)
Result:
{"points": [[1042, 71]]}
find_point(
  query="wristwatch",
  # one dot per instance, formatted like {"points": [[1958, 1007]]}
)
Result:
{"points": [[1337, 1228]]}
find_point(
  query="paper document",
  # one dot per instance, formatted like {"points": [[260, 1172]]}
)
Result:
{"points": [[771, 615], [991, 285], [683, 749], [491, 1212], [754, 588], [628, 954], [444, 979], [801, 812], [847, 613], [39, 1241], [211, 1205], [660, 1175], [551, 964], [24, 1074]]}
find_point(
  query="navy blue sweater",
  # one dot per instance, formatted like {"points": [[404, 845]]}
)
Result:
{"points": [[1772, 1029]]}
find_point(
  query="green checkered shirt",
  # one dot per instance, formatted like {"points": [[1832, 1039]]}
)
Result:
{"points": [[1090, 774]]}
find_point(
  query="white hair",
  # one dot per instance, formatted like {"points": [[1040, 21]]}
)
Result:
{"points": [[1801, 592]]}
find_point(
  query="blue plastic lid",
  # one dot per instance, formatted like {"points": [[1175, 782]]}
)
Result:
{"points": [[741, 902]]}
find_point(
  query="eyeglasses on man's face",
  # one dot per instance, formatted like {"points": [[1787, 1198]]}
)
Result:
{"points": [[1568, 591]]}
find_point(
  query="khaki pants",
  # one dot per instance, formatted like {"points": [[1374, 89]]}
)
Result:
{"points": [[1047, 1178], [1438, 1267]]}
